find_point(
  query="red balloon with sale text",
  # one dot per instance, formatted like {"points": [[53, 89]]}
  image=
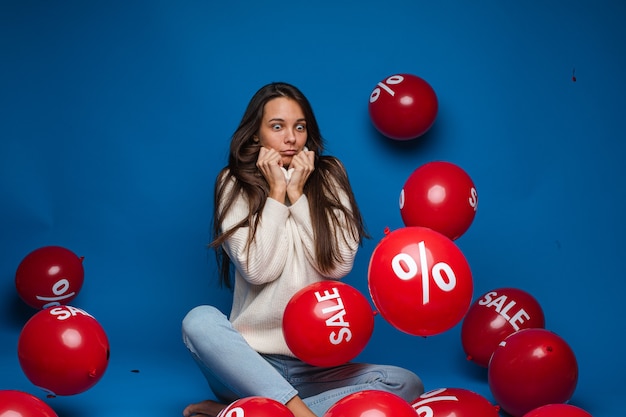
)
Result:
{"points": [[558, 410], [439, 195], [15, 403], [420, 281], [453, 402], [327, 323], [403, 106], [50, 275], [371, 403], [532, 368], [493, 317], [255, 407], [63, 350]]}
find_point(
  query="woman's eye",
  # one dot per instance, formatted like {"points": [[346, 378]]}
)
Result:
{"points": [[301, 128], [276, 127]]}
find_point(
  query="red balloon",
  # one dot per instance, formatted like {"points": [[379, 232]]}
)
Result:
{"points": [[327, 323], [493, 317], [453, 402], [439, 195], [558, 410], [532, 368], [21, 404], [403, 106], [255, 407], [371, 403], [63, 350], [420, 281], [48, 276]]}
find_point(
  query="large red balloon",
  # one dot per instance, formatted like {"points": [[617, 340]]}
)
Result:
{"points": [[493, 317], [15, 403], [439, 195], [420, 281], [558, 410], [327, 323], [532, 368], [371, 403], [255, 407], [453, 402], [403, 106], [48, 276], [63, 350]]}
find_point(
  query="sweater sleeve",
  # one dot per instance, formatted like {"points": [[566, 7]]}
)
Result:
{"points": [[264, 259]]}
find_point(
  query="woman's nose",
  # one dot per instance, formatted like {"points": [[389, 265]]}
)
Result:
{"points": [[290, 136]]}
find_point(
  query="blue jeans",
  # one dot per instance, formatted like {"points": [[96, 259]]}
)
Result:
{"points": [[234, 370]]}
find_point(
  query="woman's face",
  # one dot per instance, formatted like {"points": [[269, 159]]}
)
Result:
{"points": [[283, 128]]}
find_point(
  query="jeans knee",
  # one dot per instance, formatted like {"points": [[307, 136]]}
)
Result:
{"points": [[198, 320], [407, 384], [416, 386]]}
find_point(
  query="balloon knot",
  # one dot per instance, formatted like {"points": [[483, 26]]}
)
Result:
{"points": [[387, 230], [93, 373], [469, 357], [81, 258]]}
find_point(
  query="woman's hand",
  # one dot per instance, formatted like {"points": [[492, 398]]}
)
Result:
{"points": [[303, 164], [270, 164]]}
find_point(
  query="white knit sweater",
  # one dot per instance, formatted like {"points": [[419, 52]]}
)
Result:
{"points": [[279, 262]]}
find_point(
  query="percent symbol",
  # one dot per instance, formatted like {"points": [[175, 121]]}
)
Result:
{"points": [[440, 271], [235, 412], [393, 80], [423, 410], [59, 289]]}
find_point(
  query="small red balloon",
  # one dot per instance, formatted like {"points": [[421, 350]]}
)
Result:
{"points": [[439, 195], [403, 106], [532, 368], [558, 410], [453, 402], [493, 317], [255, 407], [420, 281], [15, 403], [371, 403], [48, 276], [327, 323], [63, 350]]}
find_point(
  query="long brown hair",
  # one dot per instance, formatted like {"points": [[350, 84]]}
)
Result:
{"points": [[322, 189]]}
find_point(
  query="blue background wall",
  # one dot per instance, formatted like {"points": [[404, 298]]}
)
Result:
{"points": [[115, 118]]}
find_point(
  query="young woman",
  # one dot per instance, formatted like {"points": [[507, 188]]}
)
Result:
{"points": [[285, 217]]}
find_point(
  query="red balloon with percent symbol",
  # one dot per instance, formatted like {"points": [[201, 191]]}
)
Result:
{"points": [[255, 407], [371, 403], [327, 323], [14, 403], [532, 368], [493, 317], [63, 350], [453, 402], [50, 275], [420, 281], [439, 195], [558, 410], [403, 106]]}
